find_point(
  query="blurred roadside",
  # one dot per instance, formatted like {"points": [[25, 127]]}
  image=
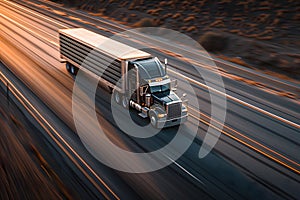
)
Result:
{"points": [[24, 171], [261, 35]]}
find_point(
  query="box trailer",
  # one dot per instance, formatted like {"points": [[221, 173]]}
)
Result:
{"points": [[137, 79]]}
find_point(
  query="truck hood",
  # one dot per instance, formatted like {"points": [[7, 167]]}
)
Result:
{"points": [[165, 97]]}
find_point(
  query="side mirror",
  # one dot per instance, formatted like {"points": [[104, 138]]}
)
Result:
{"points": [[174, 85], [166, 63], [183, 95]]}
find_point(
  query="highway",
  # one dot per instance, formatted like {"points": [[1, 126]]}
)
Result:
{"points": [[257, 155]]}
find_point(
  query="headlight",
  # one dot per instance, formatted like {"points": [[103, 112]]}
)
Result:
{"points": [[184, 109], [161, 115]]}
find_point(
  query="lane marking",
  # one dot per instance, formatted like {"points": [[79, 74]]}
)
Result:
{"points": [[185, 170], [30, 31], [239, 101], [32, 110], [35, 13], [248, 145], [246, 137], [228, 96]]}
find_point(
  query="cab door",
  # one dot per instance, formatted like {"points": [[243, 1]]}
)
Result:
{"points": [[132, 81]]}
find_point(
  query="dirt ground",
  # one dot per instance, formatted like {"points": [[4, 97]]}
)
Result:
{"points": [[261, 34]]}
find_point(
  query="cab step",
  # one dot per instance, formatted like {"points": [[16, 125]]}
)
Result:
{"points": [[144, 113]]}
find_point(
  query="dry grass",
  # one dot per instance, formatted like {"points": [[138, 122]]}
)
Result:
{"points": [[273, 22], [135, 3], [262, 18], [224, 14], [145, 22], [191, 28], [235, 60], [168, 15], [154, 12], [176, 15], [218, 23], [163, 3], [190, 18]]}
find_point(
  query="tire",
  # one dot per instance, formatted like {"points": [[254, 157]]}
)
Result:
{"points": [[117, 97], [72, 69], [125, 102], [68, 66], [153, 120]]}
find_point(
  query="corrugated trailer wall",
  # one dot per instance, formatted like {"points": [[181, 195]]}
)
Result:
{"points": [[96, 62]]}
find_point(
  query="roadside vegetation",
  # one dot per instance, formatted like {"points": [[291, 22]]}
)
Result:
{"points": [[263, 34]]}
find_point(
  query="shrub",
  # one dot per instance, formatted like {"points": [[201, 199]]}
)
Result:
{"points": [[212, 41], [145, 22]]}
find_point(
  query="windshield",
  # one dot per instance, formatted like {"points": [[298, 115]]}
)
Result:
{"points": [[160, 88]]}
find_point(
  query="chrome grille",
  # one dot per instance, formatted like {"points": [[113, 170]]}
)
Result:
{"points": [[174, 110]]}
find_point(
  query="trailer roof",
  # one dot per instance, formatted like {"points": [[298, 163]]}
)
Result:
{"points": [[105, 44]]}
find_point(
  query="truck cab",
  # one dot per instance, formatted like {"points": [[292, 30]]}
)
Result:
{"points": [[150, 92], [137, 79]]}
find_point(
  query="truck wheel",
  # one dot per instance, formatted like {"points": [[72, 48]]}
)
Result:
{"points": [[153, 120], [125, 102], [117, 97]]}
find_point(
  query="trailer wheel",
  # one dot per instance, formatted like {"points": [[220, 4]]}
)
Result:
{"points": [[125, 102], [68, 66], [72, 69], [117, 97]]}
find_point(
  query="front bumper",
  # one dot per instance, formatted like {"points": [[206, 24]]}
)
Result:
{"points": [[163, 123]]}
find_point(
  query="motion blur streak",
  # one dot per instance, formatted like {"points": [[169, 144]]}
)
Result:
{"points": [[30, 31], [36, 14], [259, 141], [51, 131], [263, 146], [242, 102], [252, 147], [207, 122]]}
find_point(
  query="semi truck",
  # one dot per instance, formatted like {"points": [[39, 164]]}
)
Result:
{"points": [[145, 84]]}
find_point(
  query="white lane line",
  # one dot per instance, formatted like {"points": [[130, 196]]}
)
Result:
{"points": [[205, 86], [252, 144], [231, 97], [182, 168], [238, 100], [185, 170], [32, 110], [30, 31], [35, 13]]}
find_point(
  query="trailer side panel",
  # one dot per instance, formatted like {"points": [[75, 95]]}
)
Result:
{"points": [[99, 63]]}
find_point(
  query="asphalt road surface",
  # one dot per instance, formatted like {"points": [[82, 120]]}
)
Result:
{"points": [[256, 156]]}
